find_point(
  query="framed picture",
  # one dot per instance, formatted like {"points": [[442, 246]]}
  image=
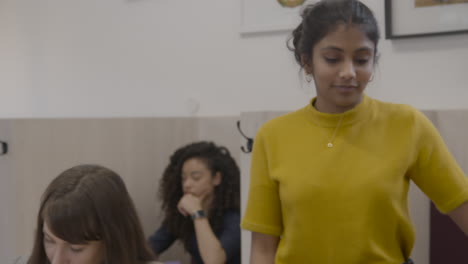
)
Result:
{"points": [[421, 18], [270, 15]]}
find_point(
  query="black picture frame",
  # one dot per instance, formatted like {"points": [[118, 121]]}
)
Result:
{"points": [[390, 33]]}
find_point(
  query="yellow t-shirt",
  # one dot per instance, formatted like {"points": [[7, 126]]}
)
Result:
{"points": [[347, 204]]}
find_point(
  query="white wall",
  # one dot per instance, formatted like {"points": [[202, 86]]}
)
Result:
{"points": [[14, 87], [104, 58]]}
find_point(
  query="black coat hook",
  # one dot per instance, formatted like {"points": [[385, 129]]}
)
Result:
{"points": [[3, 148], [250, 141]]}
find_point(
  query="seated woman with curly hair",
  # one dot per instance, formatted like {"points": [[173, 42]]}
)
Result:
{"points": [[200, 200]]}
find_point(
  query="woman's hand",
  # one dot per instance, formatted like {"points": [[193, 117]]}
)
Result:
{"points": [[189, 204], [460, 217]]}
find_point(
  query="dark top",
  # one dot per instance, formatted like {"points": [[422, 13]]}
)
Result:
{"points": [[229, 237]]}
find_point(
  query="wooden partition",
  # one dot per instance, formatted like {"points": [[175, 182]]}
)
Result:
{"points": [[136, 148], [453, 126]]}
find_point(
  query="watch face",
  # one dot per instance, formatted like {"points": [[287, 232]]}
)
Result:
{"points": [[291, 3], [198, 214]]}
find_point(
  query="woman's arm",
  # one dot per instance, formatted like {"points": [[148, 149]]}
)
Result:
{"points": [[460, 217], [209, 246], [160, 240], [263, 249]]}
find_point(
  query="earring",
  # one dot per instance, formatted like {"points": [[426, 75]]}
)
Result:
{"points": [[308, 77], [371, 78]]}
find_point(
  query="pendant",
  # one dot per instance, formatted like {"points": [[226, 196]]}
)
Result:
{"points": [[330, 145]]}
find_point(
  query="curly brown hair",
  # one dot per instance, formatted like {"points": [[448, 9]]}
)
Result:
{"points": [[226, 194]]}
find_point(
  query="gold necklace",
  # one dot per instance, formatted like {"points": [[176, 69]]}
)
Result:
{"points": [[330, 141]]}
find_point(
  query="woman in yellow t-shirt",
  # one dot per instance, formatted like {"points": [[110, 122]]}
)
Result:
{"points": [[329, 182]]}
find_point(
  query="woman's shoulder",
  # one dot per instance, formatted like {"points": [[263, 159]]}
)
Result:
{"points": [[282, 122], [232, 213], [395, 110], [231, 216], [20, 260], [391, 106]]}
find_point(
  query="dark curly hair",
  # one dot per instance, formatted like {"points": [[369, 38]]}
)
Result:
{"points": [[323, 17], [226, 194]]}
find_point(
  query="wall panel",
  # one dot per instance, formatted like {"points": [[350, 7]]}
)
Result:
{"points": [[137, 148]]}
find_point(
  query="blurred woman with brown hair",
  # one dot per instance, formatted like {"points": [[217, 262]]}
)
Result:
{"points": [[87, 216]]}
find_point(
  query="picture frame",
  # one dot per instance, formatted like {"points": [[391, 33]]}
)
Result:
{"points": [[268, 16], [405, 19]]}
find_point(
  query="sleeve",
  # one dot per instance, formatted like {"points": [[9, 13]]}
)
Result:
{"points": [[161, 240], [263, 212], [435, 171], [230, 237]]}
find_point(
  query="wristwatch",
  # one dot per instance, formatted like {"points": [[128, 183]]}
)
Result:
{"points": [[198, 214]]}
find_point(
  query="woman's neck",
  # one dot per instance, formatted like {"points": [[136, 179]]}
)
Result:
{"points": [[323, 107]]}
